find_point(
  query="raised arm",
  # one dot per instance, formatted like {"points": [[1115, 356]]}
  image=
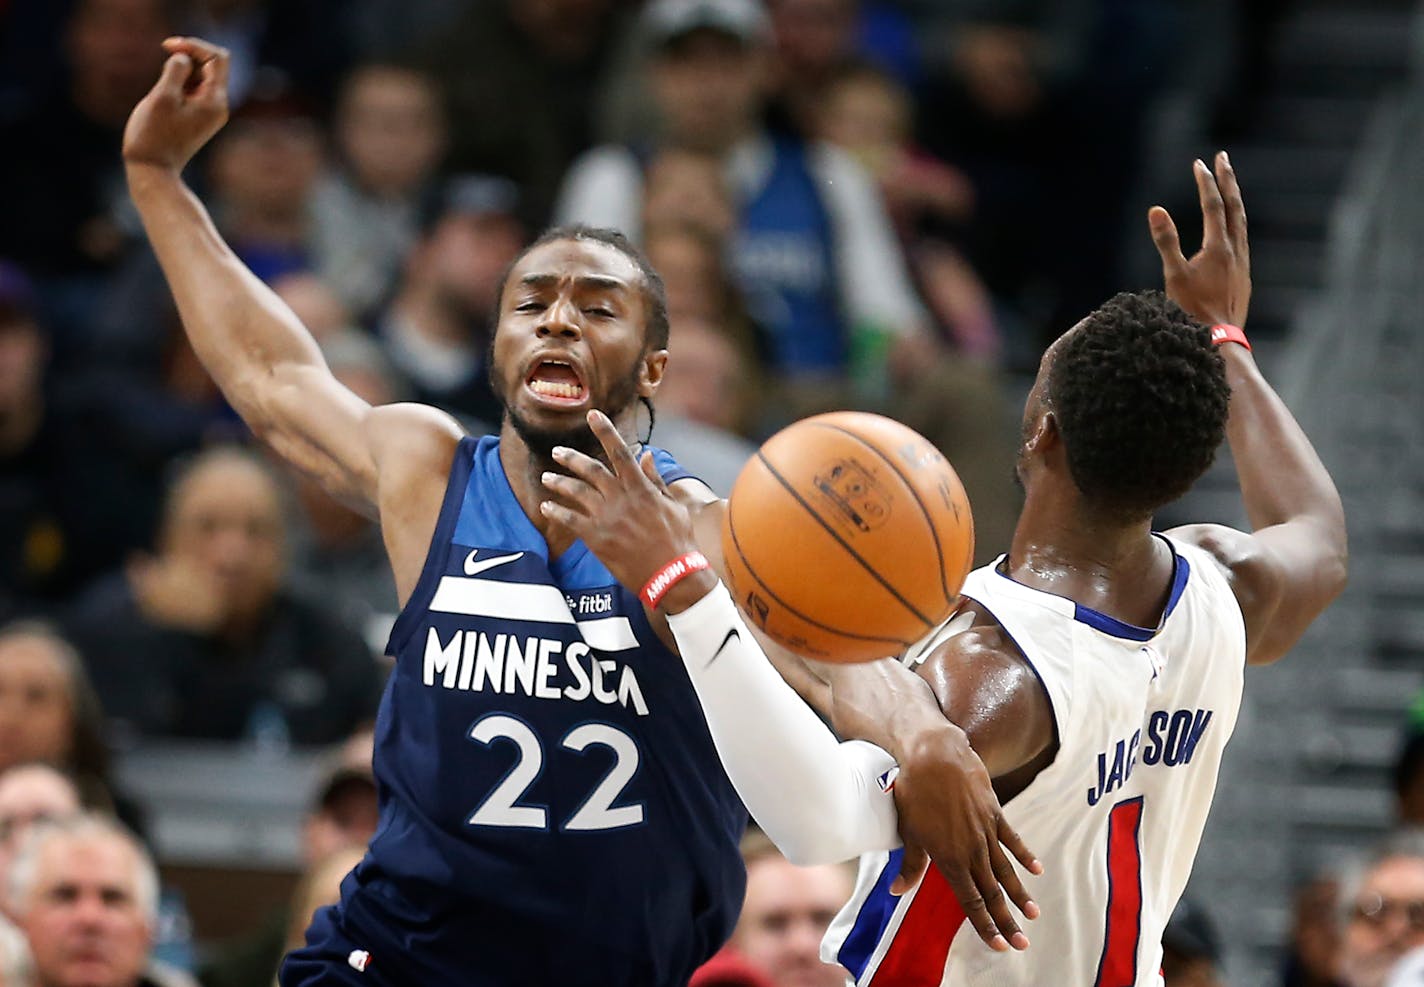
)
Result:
{"points": [[1293, 563], [266, 363]]}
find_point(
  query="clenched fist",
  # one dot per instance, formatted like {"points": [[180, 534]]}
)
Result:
{"points": [[183, 110]]}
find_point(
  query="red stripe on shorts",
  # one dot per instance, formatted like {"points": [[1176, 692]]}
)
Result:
{"points": [[918, 953]]}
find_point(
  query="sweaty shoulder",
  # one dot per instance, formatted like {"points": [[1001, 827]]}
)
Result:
{"points": [[412, 446], [986, 686], [1250, 567]]}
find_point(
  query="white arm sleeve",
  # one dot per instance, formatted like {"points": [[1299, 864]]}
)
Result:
{"points": [[819, 800]]}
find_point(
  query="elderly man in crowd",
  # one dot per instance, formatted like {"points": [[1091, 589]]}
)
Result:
{"points": [[1383, 905], [85, 894]]}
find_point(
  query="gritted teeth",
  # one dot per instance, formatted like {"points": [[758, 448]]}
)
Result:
{"points": [[556, 389]]}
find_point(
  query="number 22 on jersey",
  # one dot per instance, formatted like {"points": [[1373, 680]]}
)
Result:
{"points": [[502, 807]]}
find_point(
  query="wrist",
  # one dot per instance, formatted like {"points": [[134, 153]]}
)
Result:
{"points": [[678, 583], [1226, 333], [143, 175], [926, 738]]}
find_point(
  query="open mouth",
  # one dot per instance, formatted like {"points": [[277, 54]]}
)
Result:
{"points": [[557, 381]]}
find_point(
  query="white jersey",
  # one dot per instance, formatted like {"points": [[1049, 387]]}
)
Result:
{"points": [[1143, 716]]}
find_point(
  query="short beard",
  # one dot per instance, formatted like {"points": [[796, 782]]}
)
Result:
{"points": [[541, 441]]}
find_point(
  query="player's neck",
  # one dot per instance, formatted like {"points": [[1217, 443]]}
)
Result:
{"points": [[1059, 547]]}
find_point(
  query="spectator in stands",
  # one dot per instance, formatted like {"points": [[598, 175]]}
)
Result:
{"points": [[1191, 952], [436, 329], [389, 138], [49, 712], [814, 254], [65, 214], [1313, 952], [688, 188], [341, 822], [869, 115], [85, 893], [699, 403], [785, 914], [1382, 904], [203, 641], [521, 79], [31, 794], [58, 443], [263, 169], [335, 551]]}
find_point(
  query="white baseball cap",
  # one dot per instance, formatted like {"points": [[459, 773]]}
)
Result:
{"points": [[668, 20]]}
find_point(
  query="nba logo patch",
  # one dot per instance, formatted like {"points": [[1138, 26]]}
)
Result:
{"points": [[359, 960], [887, 779]]}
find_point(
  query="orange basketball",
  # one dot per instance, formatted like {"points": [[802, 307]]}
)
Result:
{"points": [[847, 537]]}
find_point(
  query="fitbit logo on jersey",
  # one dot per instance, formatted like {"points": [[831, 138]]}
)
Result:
{"points": [[538, 667], [1172, 740]]}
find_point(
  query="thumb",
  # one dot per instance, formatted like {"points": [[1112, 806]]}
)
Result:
{"points": [[912, 867], [650, 470], [175, 74], [1164, 235]]}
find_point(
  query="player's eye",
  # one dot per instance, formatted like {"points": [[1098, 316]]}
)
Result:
{"points": [[530, 307], [602, 313]]}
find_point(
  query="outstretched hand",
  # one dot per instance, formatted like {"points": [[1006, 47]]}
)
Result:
{"points": [[183, 110], [1215, 285], [624, 513]]}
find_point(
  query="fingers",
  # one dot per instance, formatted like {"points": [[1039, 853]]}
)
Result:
{"points": [[977, 900], [913, 865], [174, 77], [573, 492], [620, 457], [1214, 233], [1019, 848], [213, 61], [1164, 235], [1008, 879], [650, 470], [586, 468], [1235, 205], [569, 518]]}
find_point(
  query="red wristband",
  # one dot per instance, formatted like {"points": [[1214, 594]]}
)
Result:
{"points": [[670, 575], [1224, 332]]}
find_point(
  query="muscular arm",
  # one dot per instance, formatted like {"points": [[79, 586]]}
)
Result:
{"points": [[1293, 563], [266, 363]]}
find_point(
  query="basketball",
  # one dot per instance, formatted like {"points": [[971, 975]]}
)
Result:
{"points": [[847, 537]]}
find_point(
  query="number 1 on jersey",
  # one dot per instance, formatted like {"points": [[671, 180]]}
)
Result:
{"points": [[1118, 966]]}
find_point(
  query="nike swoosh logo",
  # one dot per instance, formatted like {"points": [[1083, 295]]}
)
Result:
{"points": [[732, 634], [474, 568]]}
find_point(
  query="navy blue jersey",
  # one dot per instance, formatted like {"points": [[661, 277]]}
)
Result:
{"points": [[553, 810]]}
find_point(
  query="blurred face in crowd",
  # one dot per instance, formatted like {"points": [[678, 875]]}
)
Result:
{"points": [[704, 375], [867, 116], [465, 255], [709, 88], [347, 818], [36, 701], [266, 166], [813, 36], [786, 913], [691, 267], [313, 303], [30, 794], [82, 916], [684, 186], [1383, 922], [113, 46], [225, 519], [390, 130], [566, 29], [22, 355]]}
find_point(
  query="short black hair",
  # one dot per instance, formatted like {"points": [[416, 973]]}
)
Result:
{"points": [[1141, 399], [654, 292]]}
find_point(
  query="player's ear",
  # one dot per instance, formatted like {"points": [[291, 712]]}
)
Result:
{"points": [[650, 372], [1044, 435]]}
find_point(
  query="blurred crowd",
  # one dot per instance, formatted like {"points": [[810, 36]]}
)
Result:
{"points": [[888, 205]]}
